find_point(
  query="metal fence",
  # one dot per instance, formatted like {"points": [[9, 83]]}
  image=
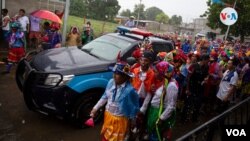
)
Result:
{"points": [[238, 114]]}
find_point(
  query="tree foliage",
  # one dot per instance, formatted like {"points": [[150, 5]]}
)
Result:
{"points": [[152, 12], [162, 18], [126, 13], [175, 20], [240, 28], [139, 8], [96, 9]]}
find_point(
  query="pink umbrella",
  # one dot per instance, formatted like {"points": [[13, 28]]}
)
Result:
{"points": [[47, 15]]}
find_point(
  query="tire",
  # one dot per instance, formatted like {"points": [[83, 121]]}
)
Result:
{"points": [[83, 108]]}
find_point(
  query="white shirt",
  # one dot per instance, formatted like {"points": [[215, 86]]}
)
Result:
{"points": [[169, 100], [112, 106], [130, 23], [34, 24], [24, 21], [7, 27], [142, 90], [226, 85]]}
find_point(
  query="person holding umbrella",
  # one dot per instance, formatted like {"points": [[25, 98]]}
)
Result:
{"points": [[24, 21], [60, 15]]}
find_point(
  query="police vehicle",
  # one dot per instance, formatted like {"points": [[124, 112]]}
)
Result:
{"points": [[68, 82]]}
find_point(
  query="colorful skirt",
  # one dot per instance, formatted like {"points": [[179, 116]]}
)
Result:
{"points": [[15, 54], [114, 127], [153, 115]]}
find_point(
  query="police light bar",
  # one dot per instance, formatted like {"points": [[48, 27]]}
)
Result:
{"points": [[141, 32], [123, 30]]}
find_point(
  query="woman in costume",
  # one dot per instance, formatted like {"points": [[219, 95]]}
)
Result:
{"points": [[122, 105], [16, 45]]}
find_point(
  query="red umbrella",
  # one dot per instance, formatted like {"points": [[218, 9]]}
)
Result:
{"points": [[47, 15]]}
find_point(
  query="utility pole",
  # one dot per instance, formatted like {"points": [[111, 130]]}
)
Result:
{"points": [[65, 19], [228, 28], [3, 4], [138, 14]]}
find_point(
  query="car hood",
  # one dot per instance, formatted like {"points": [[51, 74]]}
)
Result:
{"points": [[68, 61]]}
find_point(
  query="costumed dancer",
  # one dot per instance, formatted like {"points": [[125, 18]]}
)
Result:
{"points": [[137, 55], [162, 110], [55, 37], [223, 62], [212, 81], [142, 82], [16, 45], [122, 105]]}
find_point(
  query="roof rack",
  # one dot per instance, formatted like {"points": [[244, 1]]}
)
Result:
{"points": [[123, 30]]}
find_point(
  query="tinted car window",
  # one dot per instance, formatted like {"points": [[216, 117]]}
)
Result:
{"points": [[107, 47], [162, 47]]}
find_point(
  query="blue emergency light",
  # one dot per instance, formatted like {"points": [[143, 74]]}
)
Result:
{"points": [[123, 29]]}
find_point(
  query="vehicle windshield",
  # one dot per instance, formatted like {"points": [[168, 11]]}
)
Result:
{"points": [[106, 47]]}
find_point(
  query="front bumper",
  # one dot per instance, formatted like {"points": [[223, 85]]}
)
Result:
{"points": [[38, 97]]}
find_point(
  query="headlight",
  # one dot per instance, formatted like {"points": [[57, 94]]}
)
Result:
{"points": [[66, 79], [53, 79]]}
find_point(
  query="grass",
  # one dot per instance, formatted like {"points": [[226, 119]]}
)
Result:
{"points": [[99, 27]]}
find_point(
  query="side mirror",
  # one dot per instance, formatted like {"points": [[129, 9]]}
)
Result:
{"points": [[131, 61]]}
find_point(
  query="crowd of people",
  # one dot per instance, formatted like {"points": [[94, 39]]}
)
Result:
{"points": [[21, 31], [143, 98]]}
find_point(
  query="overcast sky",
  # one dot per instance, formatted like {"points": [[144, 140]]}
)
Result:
{"points": [[188, 9]]}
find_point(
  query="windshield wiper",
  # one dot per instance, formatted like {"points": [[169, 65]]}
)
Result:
{"points": [[94, 55], [88, 50]]}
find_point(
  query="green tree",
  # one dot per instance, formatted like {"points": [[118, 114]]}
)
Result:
{"points": [[126, 13], [162, 18], [76, 6], [152, 12], [240, 28], [96, 9], [175, 20], [139, 8]]}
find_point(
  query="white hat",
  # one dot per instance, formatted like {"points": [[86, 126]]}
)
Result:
{"points": [[132, 17]]}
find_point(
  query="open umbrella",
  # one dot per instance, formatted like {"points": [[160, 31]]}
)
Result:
{"points": [[47, 15]]}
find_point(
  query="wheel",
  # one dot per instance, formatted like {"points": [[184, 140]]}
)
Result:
{"points": [[83, 108]]}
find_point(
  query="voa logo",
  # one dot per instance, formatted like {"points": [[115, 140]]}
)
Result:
{"points": [[236, 132], [228, 16]]}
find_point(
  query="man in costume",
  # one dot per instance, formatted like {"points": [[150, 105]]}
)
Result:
{"points": [[161, 113]]}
